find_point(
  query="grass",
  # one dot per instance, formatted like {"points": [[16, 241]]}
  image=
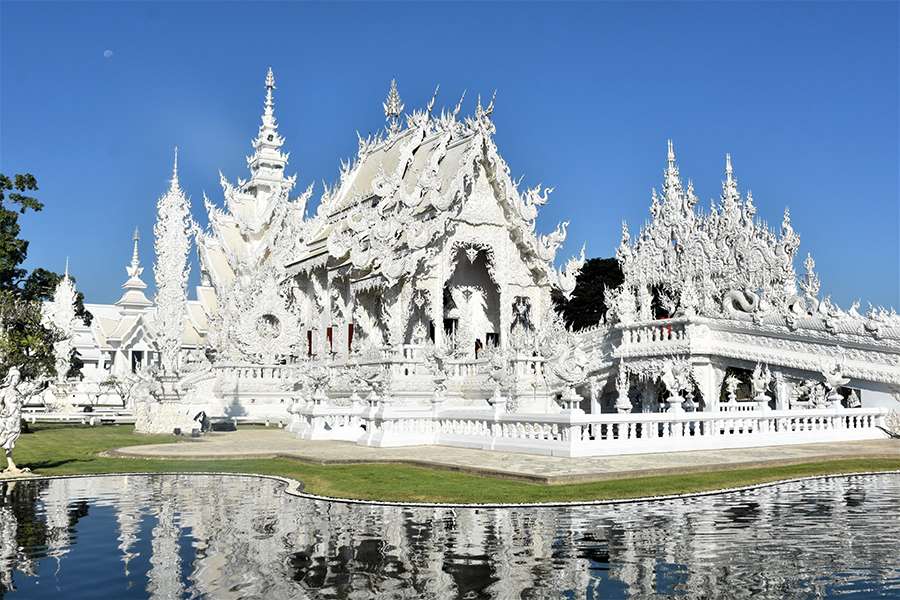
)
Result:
{"points": [[69, 450]]}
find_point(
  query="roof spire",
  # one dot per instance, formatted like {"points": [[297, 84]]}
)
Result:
{"points": [[730, 195], [66, 273], [393, 107], [133, 299], [267, 153], [173, 185], [134, 269], [672, 182]]}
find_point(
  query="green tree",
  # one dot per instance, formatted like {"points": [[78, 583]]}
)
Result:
{"points": [[587, 306], [24, 340]]}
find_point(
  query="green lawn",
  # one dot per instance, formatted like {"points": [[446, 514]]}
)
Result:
{"points": [[64, 450]]}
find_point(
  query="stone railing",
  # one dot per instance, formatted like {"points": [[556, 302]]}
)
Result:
{"points": [[739, 406], [238, 371], [464, 368], [655, 333], [570, 434], [524, 367]]}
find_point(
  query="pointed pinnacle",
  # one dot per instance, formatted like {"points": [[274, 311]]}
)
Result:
{"points": [[66, 275], [135, 260], [671, 154], [174, 181], [270, 79], [459, 104]]}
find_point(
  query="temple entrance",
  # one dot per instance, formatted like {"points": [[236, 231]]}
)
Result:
{"points": [[471, 305]]}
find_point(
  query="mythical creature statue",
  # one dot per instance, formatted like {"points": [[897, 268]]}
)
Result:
{"points": [[13, 392], [834, 380], [745, 300], [569, 367], [731, 385], [547, 245], [676, 376], [760, 381]]}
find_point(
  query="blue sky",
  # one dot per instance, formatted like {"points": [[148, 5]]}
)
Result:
{"points": [[803, 95]]}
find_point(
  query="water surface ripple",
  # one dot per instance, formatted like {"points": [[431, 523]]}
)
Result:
{"points": [[199, 536]]}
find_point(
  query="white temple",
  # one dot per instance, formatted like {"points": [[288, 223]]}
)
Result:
{"points": [[414, 307]]}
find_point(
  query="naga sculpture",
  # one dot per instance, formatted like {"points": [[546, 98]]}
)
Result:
{"points": [[745, 300]]}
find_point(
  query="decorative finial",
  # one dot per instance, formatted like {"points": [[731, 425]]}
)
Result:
{"points": [[393, 107], [66, 273], [672, 183], [134, 269], [433, 98], [270, 100], [490, 108], [458, 106], [729, 172], [174, 181]]}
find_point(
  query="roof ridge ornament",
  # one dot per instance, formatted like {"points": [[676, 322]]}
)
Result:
{"points": [[393, 107]]}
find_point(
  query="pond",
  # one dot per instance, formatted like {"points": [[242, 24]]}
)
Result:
{"points": [[190, 536]]}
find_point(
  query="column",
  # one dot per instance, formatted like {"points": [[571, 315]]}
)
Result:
{"points": [[709, 379]]}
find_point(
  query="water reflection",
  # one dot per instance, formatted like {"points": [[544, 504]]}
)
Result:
{"points": [[241, 537]]}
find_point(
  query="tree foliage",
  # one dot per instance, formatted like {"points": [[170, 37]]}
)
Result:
{"points": [[24, 340], [587, 306]]}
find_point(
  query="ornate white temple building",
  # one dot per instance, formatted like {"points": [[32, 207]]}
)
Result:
{"points": [[413, 306]]}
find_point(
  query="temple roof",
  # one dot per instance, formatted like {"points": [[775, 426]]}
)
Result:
{"points": [[407, 187]]}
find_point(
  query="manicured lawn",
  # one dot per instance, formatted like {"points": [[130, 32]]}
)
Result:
{"points": [[65, 450]]}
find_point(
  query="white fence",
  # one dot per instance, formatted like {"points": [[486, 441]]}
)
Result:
{"points": [[593, 435]]}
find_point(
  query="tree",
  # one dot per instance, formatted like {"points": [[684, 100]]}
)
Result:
{"points": [[587, 306], [13, 249], [25, 341]]}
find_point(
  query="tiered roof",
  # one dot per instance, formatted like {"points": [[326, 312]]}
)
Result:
{"points": [[407, 189]]}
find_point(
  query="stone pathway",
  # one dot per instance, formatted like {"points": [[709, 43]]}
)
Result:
{"points": [[259, 443]]}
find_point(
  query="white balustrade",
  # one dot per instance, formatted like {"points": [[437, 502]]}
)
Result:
{"points": [[663, 332], [598, 435]]}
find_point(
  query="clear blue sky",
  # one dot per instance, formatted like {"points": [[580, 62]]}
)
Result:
{"points": [[804, 96]]}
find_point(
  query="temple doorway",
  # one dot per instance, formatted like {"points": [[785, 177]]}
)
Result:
{"points": [[472, 304]]}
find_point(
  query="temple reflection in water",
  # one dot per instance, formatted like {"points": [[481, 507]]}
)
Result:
{"points": [[242, 537]]}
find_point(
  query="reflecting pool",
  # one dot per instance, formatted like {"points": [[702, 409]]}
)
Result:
{"points": [[188, 536]]}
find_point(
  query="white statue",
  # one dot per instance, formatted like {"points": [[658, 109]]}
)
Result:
{"points": [[731, 385], [676, 376], [623, 385], [834, 380], [760, 380], [12, 396]]}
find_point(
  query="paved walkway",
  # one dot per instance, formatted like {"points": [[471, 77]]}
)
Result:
{"points": [[257, 443]]}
